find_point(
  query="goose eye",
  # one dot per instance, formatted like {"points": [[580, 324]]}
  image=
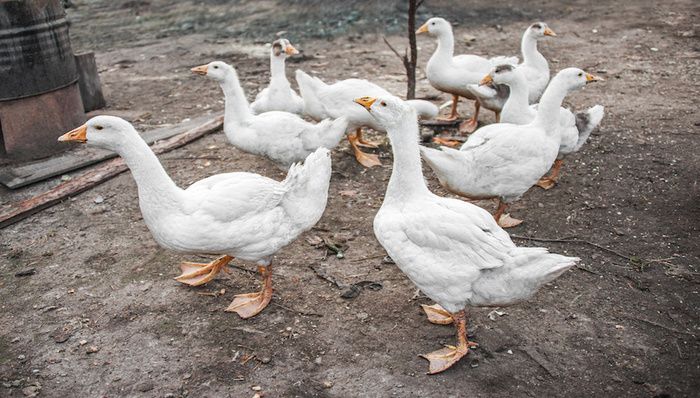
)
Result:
{"points": [[433, 23], [383, 103], [580, 74], [98, 127], [216, 66]]}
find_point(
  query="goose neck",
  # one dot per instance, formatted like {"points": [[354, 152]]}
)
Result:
{"points": [[548, 109], [531, 56], [517, 103], [445, 46], [150, 176], [237, 107], [277, 68], [407, 175]]}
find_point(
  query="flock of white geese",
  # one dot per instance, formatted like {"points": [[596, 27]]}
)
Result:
{"points": [[457, 253]]}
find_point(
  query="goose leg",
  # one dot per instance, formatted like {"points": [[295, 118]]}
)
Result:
{"points": [[468, 126], [248, 305], [505, 220], [366, 159], [444, 358], [549, 182], [453, 115], [365, 143], [195, 274]]}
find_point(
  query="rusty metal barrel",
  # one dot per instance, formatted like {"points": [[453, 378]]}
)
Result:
{"points": [[39, 93]]}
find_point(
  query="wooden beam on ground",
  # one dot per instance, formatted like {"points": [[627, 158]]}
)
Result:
{"points": [[14, 213], [17, 176]]}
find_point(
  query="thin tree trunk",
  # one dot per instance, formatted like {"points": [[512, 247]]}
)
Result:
{"points": [[410, 64]]}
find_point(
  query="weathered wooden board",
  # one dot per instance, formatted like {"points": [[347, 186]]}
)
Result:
{"points": [[13, 213], [16, 176]]}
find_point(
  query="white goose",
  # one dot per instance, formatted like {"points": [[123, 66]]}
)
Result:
{"points": [[279, 96], [282, 137], [242, 215], [452, 250], [534, 68], [452, 74], [574, 129], [504, 160], [335, 100]]}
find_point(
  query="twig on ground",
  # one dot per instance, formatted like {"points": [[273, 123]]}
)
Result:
{"points": [[573, 239], [546, 365], [297, 311], [662, 326]]}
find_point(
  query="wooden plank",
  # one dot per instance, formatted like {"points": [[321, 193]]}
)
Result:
{"points": [[17, 176], [14, 213], [89, 82]]}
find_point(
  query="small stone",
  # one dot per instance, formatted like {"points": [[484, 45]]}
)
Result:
{"points": [[256, 388], [92, 349], [99, 199], [31, 391], [146, 386], [83, 342], [60, 336], [328, 384]]}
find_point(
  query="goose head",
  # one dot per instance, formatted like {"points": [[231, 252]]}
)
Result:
{"points": [[539, 29], [503, 74], [216, 70], [282, 48], [435, 26], [573, 78], [108, 132], [388, 110]]}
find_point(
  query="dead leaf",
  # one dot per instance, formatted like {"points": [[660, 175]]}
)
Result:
{"points": [[347, 193], [314, 240], [442, 141]]}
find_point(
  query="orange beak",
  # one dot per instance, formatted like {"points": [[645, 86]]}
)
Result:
{"points": [[76, 135], [487, 80], [200, 70], [590, 78], [422, 29], [549, 32], [290, 50], [365, 101]]}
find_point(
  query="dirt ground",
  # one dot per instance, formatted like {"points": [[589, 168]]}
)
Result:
{"points": [[90, 307]]}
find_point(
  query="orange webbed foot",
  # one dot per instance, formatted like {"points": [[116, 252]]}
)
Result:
{"points": [[195, 274]]}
